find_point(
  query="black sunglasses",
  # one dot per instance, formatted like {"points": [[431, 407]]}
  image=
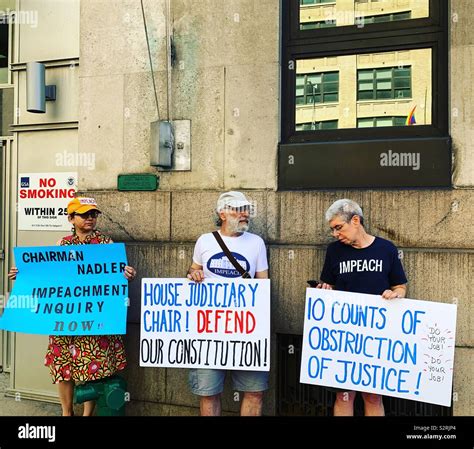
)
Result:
{"points": [[91, 213]]}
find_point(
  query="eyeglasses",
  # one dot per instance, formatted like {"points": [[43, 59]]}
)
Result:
{"points": [[86, 215], [338, 227]]}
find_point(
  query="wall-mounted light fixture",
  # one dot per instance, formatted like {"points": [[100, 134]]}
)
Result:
{"points": [[37, 93]]}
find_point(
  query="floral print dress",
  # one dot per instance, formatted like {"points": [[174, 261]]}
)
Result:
{"points": [[88, 357]]}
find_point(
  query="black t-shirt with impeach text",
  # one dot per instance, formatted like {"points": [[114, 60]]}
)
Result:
{"points": [[363, 270]]}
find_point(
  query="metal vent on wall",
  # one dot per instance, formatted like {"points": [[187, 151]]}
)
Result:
{"points": [[296, 399]]}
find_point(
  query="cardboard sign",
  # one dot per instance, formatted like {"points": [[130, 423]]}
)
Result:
{"points": [[68, 290], [218, 323], [357, 342]]}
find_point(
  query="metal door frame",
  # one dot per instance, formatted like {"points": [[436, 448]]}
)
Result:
{"points": [[6, 349]]}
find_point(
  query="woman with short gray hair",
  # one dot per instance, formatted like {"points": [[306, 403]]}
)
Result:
{"points": [[345, 209], [361, 263]]}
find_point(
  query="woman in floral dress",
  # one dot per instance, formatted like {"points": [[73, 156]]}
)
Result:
{"points": [[90, 357]]}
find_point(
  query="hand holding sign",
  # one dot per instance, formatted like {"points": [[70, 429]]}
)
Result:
{"points": [[12, 273]]}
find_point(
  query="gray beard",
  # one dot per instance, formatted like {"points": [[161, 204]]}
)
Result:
{"points": [[233, 225]]}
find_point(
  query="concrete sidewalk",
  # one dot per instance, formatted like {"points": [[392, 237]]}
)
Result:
{"points": [[24, 407]]}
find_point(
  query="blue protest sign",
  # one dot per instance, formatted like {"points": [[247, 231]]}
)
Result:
{"points": [[68, 290]]}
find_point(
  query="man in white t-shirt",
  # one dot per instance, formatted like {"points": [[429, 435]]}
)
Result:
{"points": [[209, 261]]}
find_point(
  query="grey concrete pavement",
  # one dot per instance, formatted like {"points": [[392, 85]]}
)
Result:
{"points": [[23, 407]]}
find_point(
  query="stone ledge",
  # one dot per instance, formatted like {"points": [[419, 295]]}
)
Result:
{"points": [[414, 219]]}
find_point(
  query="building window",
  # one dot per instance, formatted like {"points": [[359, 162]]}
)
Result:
{"points": [[349, 87], [315, 2], [384, 83], [391, 91], [374, 122], [386, 17], [317, 88], [317, 24], [311, 126], [4, 50], [6, 89]]}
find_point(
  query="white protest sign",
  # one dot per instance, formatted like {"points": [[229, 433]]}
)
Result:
{"points": [[357, 342], [43, 200], [218, 323]]}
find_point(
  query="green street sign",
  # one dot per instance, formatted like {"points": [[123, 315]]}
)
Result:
{"points": [[137, 182]]}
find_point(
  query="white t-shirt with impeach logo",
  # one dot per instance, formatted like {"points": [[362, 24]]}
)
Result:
{"points": [[248, 249]]}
